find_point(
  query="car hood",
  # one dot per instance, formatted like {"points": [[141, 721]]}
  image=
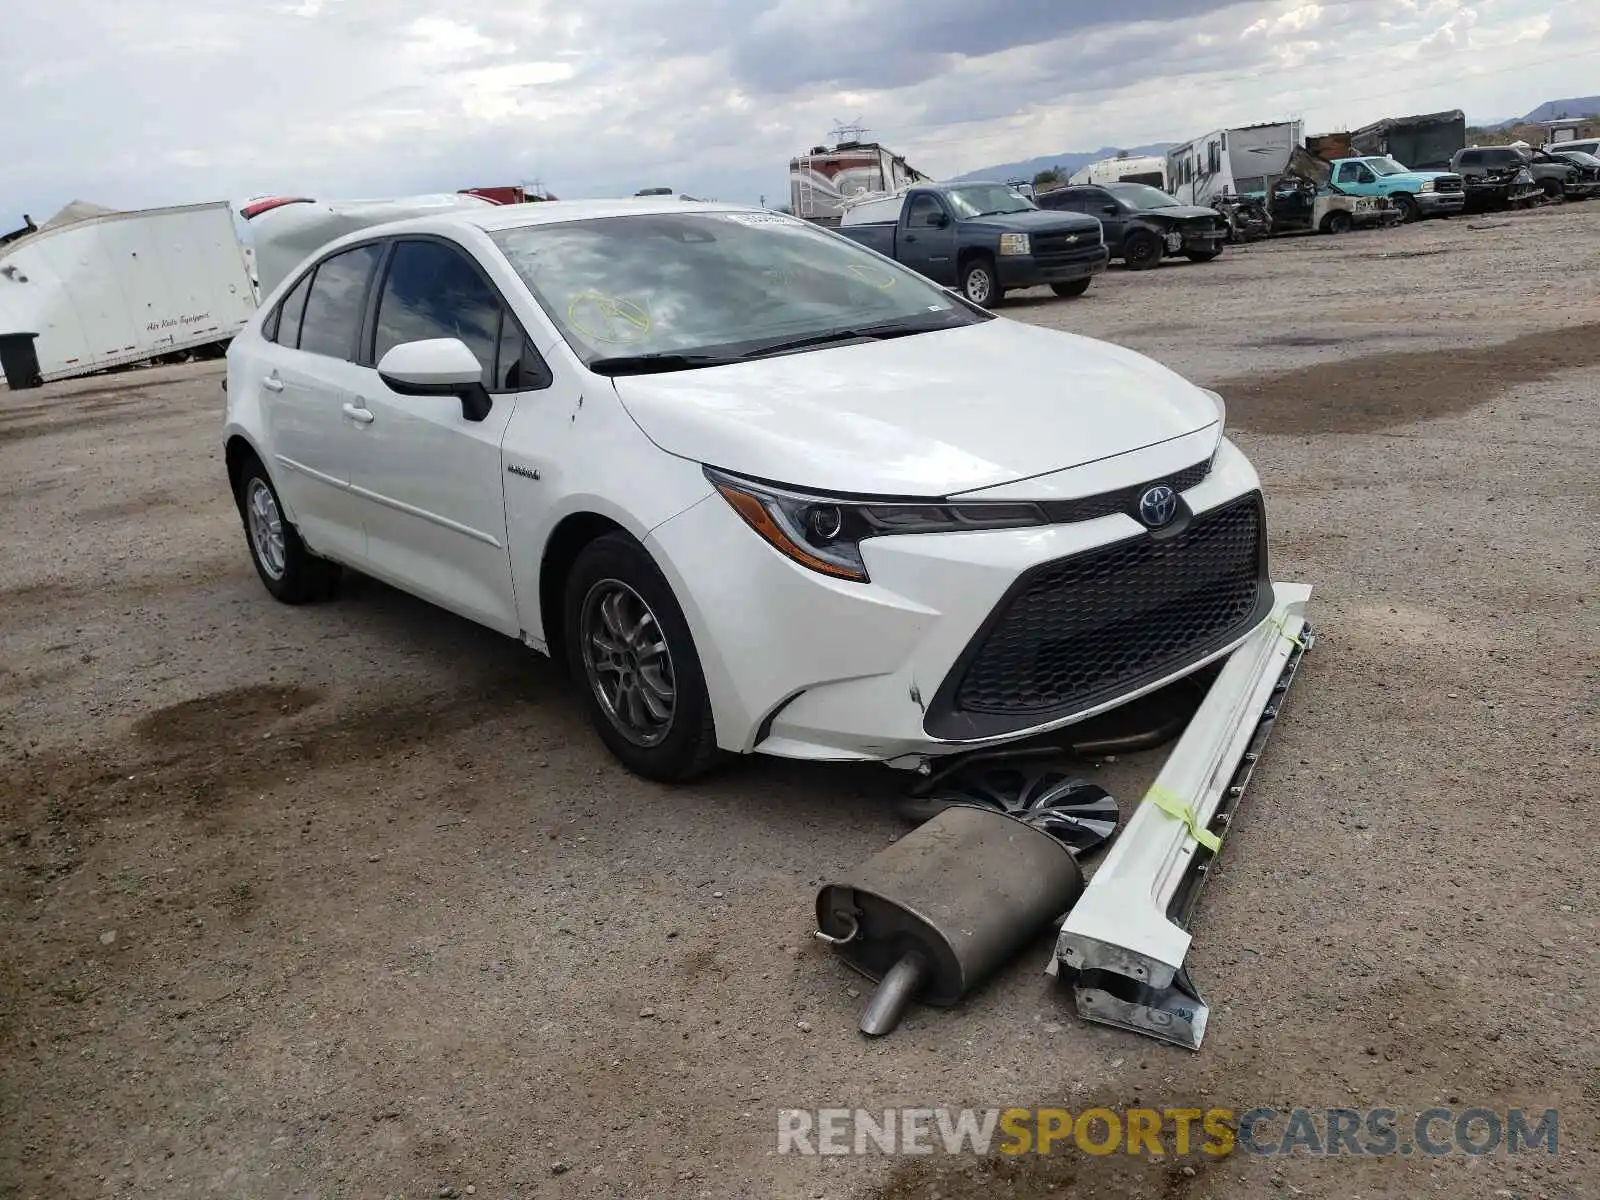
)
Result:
{"points": [[1036, 220], [1417, 176], [932, 414], [1183, 212]]}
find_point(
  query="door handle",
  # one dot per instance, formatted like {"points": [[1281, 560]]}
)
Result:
{"points": [[272, 383], [360, 413]]}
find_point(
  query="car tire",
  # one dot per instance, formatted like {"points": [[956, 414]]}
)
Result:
{"points": [[289, 571], [630, 650], [1554, 193], [1142, 250], [1203, 255], [1407, 204], [1068, 290], [1338, 222], [979, 283]]}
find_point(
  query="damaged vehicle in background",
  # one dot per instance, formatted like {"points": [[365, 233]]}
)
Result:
{"points": [[1305, 199], [1417, 194], [1143, 224], [728, 468], [1496, 177], [1559, 176], [1588, 168]]}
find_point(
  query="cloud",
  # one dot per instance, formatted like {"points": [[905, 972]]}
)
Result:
{"points": [[142, 103]]}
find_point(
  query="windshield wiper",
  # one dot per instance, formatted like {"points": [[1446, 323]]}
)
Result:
{"points": [[655, 364], [875, 333]]}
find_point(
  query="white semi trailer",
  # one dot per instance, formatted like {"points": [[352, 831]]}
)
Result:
{"points": [[106, 289]]}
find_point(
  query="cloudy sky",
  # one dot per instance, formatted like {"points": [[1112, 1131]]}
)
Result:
{"points": [[131, 103]]}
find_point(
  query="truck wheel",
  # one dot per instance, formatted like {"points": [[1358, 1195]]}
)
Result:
{"points": [[1142, 250], [630, 649], [1338, 222], [1554, 193], [1076, 288], [289, 571], [979, 283]]}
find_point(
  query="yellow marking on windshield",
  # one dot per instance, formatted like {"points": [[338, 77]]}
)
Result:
{"points": [[607, 318]]}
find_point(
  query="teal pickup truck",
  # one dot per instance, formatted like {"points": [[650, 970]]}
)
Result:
{"points": [[1416, 194]]}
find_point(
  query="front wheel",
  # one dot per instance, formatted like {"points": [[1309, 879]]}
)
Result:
{"points": [[290, 572], [979, 283], [1143, 250], [1068, 290], [1554, 193], [1407, 204], [630, 649]]}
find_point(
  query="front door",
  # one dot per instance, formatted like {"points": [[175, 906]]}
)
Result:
{"points": [[431, 480], [927, 246]]}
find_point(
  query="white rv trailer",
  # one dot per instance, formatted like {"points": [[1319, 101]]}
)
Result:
{"points": [[286, 230], [1150, 169], [105, 289], [1237, 161]]}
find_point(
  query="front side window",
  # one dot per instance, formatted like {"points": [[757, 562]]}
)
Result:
{"points": [[1349, 173], [1385, 166], [925, 212], [724, 283], [337, 302], [432, 291]]}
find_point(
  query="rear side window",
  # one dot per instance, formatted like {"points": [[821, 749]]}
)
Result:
{"points": [[337, 303], [287, 322], [434, 291]]}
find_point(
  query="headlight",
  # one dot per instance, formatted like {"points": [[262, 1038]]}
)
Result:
{"points": [[1427, 186], [1014, 243], [824, 533]]}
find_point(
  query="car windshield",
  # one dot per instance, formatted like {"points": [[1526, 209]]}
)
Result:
{"points": [[715, 284], [1385, 166], [1141, 195], [987, 200]]}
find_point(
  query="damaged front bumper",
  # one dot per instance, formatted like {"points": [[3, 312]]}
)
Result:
{"points": [[1122, 947]]}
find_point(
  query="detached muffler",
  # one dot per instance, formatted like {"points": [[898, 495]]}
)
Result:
{"points": [[1123, 944], [932, 916]]}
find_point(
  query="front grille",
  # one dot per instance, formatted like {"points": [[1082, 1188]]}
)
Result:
{"points": [[1123, 500], [1080, 631], [1055, 245], [1447, 184]]}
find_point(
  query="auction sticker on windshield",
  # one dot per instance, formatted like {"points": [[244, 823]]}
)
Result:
{"points": [[761, 219]]}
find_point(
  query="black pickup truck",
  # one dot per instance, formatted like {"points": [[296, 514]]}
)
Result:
{"points": [[982, 238]]}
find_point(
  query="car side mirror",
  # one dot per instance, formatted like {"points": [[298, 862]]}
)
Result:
{"points": [[437, 367], [1110, 209]]}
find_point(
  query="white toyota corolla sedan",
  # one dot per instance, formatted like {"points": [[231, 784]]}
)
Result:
{"points": [[760, 488]]}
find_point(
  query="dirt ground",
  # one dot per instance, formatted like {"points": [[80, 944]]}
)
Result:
{"points": [[347, 901]]}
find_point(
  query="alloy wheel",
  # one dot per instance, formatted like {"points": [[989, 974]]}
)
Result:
{"points": [[265, 523], [628, 662]]}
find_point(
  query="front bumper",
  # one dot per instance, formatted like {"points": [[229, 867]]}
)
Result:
{"points": [[803, 666], [1026, 271], [1440, 204], [1583, 189], [1210, 241]]}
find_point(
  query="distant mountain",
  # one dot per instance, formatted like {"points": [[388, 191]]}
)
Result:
{"points": [[1550, 110], [1557, 110], [1068, 161]]}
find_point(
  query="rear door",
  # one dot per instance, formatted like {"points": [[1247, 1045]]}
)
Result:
{"points": [[307, 371], [431, 481]]}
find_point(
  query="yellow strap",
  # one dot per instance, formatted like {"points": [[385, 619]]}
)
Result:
{"points": [[1173, 805], [1294, 639]]}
